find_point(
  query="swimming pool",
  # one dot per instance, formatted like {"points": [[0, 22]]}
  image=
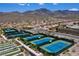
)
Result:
{"points": [[56, 46], [42, 41]]}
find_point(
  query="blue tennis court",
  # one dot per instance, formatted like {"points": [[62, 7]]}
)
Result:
{"points": [[42, 41], [18, 35], [33, 37], [56, 46], [15, 34], [6, 30]]}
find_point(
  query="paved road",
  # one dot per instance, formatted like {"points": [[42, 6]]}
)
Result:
{"points": [[63, 35], [29, 49]]}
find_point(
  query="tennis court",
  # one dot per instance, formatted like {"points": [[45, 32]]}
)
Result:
{"points": [[33, 37], [42, 41], [56, 47], [7, 30], [13, 33]]}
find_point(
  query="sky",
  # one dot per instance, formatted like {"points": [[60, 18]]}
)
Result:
{"points": [[22, 7]]}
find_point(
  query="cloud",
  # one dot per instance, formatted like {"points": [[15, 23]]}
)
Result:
{"points": [[41, 3], [28, 4], [22, 4], [74, 9], [55, 3]]}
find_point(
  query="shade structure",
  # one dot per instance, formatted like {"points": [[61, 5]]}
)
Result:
{"points": [[9, 49]]}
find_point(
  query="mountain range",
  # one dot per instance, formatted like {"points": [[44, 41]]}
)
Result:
{"points": [[39, 14]]}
